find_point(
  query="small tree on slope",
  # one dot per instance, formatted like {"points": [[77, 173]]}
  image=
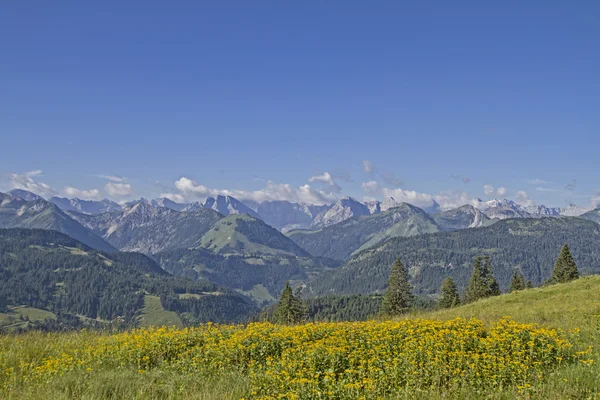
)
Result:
{"points": [[565, 269], [398, 296], [517, 282], [290, 309], [476, 289], [450, 297]]}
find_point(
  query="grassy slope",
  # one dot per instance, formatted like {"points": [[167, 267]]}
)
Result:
{"points": [[154, 314], [12, 319], [569, 306]]}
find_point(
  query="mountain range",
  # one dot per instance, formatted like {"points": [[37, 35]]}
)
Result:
{"points": [[529, 246], [243, 247]]}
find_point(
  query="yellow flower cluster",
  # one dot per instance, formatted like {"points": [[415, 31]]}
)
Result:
{"points": [[329, 360]]}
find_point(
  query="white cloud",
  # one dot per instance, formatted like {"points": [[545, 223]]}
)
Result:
{"points": [[537, 181], [595, 202], [178, 198], [191, 190], [27, 182], [369, 167], [489, 190], [455, 199], [409, 196], [544, 189], [371, 187], [522, 198], [113, 178], [325, 177], [119, 189], [92, 194]]}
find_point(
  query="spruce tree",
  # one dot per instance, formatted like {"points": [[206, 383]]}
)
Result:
{"points": [[286, 312], [529, 285], [450, 297], [565, 269], [477, 288], [517, 283], [489, 279], [398, 296]]}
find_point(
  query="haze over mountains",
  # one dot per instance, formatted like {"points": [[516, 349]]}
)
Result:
{"points": [[344, 247]]}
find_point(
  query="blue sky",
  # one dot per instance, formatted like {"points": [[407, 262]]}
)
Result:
{"points": [[442, 98]]}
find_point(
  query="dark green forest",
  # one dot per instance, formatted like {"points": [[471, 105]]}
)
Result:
{"points": [[48, 270], [529, 246]]}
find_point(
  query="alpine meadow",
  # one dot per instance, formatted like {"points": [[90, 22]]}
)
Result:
{"points": [[300, 200]]}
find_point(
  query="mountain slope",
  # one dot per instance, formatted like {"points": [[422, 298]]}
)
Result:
{"points": [[528, 245], [40, 214], [285, 215], [340, 211], [593, 215], [148, 229], [25, 195], [463, 217], [51, 271], [242, 234], [340, 240], [226, 205], [85, 206]]}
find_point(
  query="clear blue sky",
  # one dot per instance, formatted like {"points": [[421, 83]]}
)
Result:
{"points": [[228, 94]]}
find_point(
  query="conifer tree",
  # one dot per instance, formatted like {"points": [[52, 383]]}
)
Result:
{"points": [[450, 297], [288, 311], [529, 285], [489, 279], [477, 288], [517, 283], [565, 269], [398, 296]]}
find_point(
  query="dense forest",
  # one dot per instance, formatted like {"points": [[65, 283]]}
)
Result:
{"points": [[242, 272], [529, 246], [48, 270]]}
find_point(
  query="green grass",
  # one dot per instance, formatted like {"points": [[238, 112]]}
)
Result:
{"points": [[258, 293], [12, 320], [567, 307], [153, 314]]}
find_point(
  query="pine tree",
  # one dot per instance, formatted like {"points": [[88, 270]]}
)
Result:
{"points": [[489, 279], [477, 288], [517, 283], [565, 269], [299, 307], [286, 312], [450, 297], [398, 296], [529, 285]]}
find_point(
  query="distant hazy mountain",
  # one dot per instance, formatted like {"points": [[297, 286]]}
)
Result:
{"points": [[528, 245], [463, 217], [41, 214], [226, 205], [285, 215], [25, 195], [168, 203], [573, 210], [85, 206], [593, 215], [340, 240], [340, 211], [148, 229], [504, 209]]}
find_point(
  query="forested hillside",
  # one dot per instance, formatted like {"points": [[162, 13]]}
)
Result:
{"points": [[50, 271], [340, 240], [526, 245]]}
